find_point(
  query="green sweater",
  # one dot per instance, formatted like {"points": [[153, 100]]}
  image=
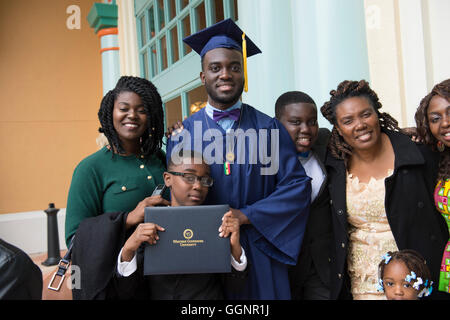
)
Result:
{"points": [[102, 183]]}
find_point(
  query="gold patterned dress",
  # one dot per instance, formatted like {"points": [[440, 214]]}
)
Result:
{"points": [[370, 235]]}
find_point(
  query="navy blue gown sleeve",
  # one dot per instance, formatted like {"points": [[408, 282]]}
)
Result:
{"points": [[280, 217]]}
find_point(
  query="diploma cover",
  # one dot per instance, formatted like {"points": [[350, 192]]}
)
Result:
{"points": [[190, 242]]}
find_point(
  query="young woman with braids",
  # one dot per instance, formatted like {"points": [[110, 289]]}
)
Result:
{"points": [[111, 188], [433, 128], [380, 184]]}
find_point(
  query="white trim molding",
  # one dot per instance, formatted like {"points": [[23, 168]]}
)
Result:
{"points": [[128, 54]]}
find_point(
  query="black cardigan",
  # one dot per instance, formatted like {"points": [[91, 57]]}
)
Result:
{"points": [[410, 209]]}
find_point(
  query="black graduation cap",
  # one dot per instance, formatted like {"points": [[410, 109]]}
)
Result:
{"points": [[224, 34]]}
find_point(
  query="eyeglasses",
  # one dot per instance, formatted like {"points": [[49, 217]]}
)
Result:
{"points": [[190, 178]]}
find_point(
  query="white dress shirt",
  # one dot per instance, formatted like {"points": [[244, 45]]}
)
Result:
{"points": [[314, 171]]}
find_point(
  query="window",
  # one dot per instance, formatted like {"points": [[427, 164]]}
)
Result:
{"points": [[144, 31], [200, 17], [196, 99], [173, 111], [161, 27], [154, 61], [174, 44], [160, 14], [163, 24], [151, 22], [171, 9], [184, 4], [186, 27], [218, 10], [145, 62], [163, 51]]}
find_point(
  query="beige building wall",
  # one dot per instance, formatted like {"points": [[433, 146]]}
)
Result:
{"points": [[408, 52], [51, 87], [438, 46]]}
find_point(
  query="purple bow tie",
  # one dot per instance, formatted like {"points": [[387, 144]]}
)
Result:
{"points": [[232, 114]]}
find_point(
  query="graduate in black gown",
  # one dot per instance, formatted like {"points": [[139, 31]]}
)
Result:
{"points": [[253, 162]]}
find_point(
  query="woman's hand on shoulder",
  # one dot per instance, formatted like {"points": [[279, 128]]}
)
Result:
{"points": [[173, 130], [413, 134], [137, 215]]}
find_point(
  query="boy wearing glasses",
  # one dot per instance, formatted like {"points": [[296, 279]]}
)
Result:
{"points": [[188, 183]]}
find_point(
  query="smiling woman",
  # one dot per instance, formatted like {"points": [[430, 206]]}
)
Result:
{"points": [[111, 188], [125, 172], [129, 120], [372, 169]]}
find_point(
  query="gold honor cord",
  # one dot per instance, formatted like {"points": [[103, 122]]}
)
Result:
{"points": [[244, 57]]}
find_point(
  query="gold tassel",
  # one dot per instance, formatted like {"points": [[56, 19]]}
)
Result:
{"points": [[244, 57]]}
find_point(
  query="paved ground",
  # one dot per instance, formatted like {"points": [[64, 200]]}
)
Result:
{"points": [[38, 258]]}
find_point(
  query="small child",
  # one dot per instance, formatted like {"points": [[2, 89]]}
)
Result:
{"points": [[404, 275], [189, 183]]}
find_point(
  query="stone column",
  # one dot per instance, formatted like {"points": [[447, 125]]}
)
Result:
{"points": [[103, 19]]}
